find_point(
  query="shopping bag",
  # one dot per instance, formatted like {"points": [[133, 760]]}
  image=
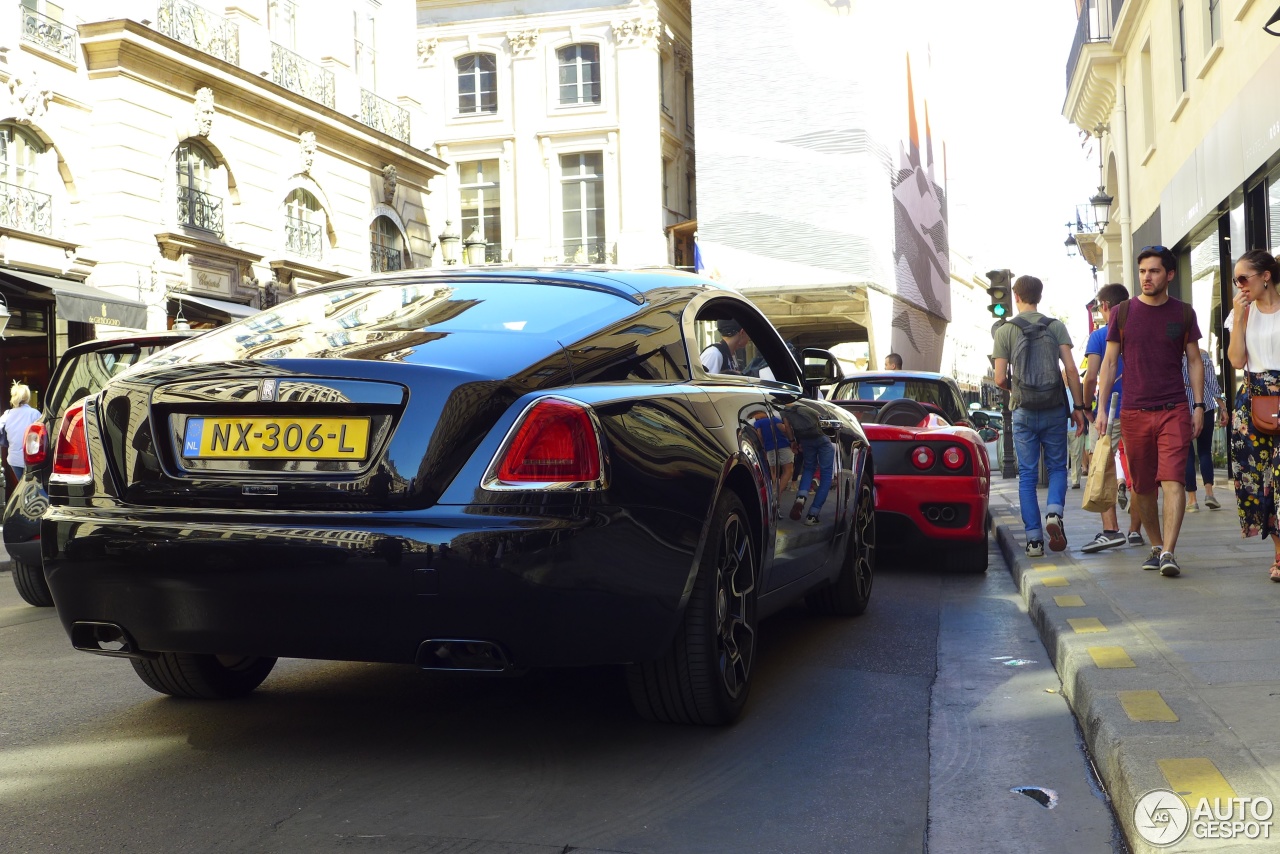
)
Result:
{"points": [[1100, 487]]}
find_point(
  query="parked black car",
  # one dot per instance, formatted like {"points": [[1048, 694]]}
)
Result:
{"points": [[82, 370], [483, 470]]}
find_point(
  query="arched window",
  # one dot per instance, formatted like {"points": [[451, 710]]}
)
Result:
{"points": [[21, 206], [304, 225], [198, 207], [386, 249], [579, 74], [477, 83]]}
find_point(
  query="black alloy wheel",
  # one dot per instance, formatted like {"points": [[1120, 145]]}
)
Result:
{"points": [[850, 593], [706, 675]]}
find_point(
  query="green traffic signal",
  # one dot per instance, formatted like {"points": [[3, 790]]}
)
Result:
{"points": [[999, 310]]}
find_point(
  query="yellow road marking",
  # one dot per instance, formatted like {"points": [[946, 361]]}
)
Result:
{"points": [[1110, 657], [1043, 567], [1084, 625], [1146, 706], [1069, 601], [1056, 581], [1194, 779]]}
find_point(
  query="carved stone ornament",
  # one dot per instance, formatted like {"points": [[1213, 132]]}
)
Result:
{"points": [[636, 31], [684, 58], [523, 42], [306, 151], [388, 184], [427, 50], [204, 111], [30, 100]]}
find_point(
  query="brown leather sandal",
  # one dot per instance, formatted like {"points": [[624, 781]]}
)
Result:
{"points": [[1275, 571]]}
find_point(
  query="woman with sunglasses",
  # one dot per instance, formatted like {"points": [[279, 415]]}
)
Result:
{"points": [[1255, 348]]}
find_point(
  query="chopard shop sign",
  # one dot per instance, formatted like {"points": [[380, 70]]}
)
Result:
{"points": [[210, 281]]}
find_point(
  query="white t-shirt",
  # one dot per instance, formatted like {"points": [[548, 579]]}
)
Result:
{"points": [[1261, 339], [14, 423], [713, 361]]}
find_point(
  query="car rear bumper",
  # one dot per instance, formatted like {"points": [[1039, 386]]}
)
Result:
{"points": [[595, 587], [948, 509]]}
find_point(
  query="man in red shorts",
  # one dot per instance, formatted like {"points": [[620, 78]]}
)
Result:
{"points": [[1153, 331]]}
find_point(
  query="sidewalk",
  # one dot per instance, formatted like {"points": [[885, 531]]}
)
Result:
{"points": [[1175, 681]]}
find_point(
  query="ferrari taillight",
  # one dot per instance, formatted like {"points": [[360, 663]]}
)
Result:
{"points": [[922, 458], [71, 453], [34, 445], [556, 442], [953, 457]]}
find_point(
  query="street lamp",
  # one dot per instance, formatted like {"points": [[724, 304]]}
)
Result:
{"points": [[449, 241], [1073, 247], [475, 247], [1101, 204]]}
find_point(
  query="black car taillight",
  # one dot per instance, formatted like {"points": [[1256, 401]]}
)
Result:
{"points": [[555, 443], [34, 445], [71, 453]]}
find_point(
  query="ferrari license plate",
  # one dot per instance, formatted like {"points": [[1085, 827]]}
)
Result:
{"points": [[276, 438]]}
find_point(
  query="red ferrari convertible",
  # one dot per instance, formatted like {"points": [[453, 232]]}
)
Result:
{"points": [[933, 475]]}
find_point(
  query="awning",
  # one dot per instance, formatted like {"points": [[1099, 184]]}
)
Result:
{"points": [[84, 303], [208, 308]]}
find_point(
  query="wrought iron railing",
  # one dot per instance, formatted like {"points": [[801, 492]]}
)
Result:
{"points": [[384, 259], [301, 75], [197, 27], [51, 35], [577, 252], [382, 115], [302, 238], [25, 210], [199, 209], [1093, 25]]}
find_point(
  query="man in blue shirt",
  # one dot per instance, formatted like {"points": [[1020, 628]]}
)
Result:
{"points": [[1109, 296]]}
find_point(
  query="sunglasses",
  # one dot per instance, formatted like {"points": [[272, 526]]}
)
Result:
{"points": [[1244, 280], [1155, 248]]}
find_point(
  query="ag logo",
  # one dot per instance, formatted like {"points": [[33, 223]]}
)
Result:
{"points": [[1161, 817]]}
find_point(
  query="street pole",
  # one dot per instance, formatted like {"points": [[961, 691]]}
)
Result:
{"points": [[1010, 467]]}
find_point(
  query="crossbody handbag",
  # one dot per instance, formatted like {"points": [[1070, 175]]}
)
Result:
{"points": [[1264, 411]]}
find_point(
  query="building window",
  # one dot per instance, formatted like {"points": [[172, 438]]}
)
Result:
{"points": [[1215, 22], [688, 102], [198, 207], [688, 194], [284, 23], [366, 48], [579, 74], [662, 83], [481, 208], [386, 249], [21, 205], [1182, 47], [1148, 97], [666, 183], [303, 225], [477, 83], [582, 194]]}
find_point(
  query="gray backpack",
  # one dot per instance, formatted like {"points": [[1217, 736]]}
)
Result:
{"points": [[803, 421], [1034, 367]]}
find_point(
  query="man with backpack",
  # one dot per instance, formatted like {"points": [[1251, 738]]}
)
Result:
{"points": [[722, 356], [1153, 332], [1033, 356]]}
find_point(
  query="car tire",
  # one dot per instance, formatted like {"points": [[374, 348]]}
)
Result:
{"points": [[967, 557], [31, 584], [849, 594], [203, 677], [706, 674]]}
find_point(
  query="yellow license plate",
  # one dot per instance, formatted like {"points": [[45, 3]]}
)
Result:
{"points": [[276, 438]]}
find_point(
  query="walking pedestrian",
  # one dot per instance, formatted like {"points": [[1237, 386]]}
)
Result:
{"points": [[1032, 354], [817, 456], [1095, 348], [14, 424], [1154, 330], [1255, 348], [1201, 450], [1075, 453]]}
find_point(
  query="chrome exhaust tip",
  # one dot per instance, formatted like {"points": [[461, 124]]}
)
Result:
{"points": [[104, 639], [475, 656]]}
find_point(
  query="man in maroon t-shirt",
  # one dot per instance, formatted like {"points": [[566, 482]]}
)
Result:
{"points": [[1154, 331]]}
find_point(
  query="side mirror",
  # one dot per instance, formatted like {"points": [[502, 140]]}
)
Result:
{"points": [[820, 368]]}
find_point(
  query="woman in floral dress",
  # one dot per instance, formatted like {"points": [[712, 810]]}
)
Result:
{"points": [[1255, 349]]}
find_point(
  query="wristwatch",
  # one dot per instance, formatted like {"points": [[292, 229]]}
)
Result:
{"points": [[1080, 407], [1197, 406]]}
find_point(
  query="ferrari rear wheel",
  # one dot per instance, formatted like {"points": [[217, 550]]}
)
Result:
{"points": [[849, 594], [706, 675], [967, 557], [31, 584], [203, 677]]}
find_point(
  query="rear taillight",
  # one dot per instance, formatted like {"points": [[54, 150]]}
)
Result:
{"points": [[34, 445], [954, 457], [71, 453], [922, 457], [555, 443]]}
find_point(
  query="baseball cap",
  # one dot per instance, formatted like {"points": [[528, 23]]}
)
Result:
{"points": [[729, 328]]}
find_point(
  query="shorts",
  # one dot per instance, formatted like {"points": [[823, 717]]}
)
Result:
{"points": [[1155, 443], [780, 457]]}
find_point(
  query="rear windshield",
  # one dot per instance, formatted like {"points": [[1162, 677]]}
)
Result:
{"points": [[325, 323], [86, 374], [882, 389]]}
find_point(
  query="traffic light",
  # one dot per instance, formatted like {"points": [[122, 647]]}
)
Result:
{"points": [[1001, 293]]}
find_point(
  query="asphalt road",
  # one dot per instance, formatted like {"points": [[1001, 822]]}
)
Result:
{"points": [[904, 730]]}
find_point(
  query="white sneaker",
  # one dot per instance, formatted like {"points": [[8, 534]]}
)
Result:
{"points": [[1035, 548], [1104, 540]]}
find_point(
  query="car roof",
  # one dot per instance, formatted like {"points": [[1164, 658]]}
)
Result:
{"points": [[128, 341]]}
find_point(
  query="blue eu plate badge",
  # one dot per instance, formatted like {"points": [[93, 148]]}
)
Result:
{"points": [[191, 441]]}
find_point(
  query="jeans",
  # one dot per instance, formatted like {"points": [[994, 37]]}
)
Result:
{"points": [[17, 471], [821, 455], [1201, 452], [1034, 430]]}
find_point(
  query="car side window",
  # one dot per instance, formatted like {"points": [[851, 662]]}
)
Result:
{"points": [[87, 373], [646, 348]]}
